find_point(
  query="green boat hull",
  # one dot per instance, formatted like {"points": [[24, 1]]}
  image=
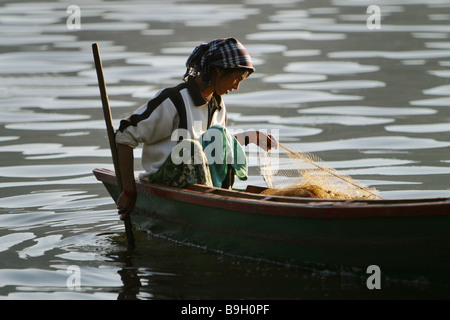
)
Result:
{"points": [[399, 244]]}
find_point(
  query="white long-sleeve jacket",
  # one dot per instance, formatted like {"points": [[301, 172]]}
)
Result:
{"points": [[153, 123]]}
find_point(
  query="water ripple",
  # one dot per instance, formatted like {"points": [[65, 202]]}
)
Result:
{"points": [[330, 67], [443, 90], [404, 55], [10, 240], [286, 78], [375, 143], [48, 171], [368, 111], [434, 102], [336, 85], [420, 128], [62, 126], [42, 245], [57, 279], [54, 200], [147, 74], [35, 151], [400, 171], [10, 117], [17, 40], [314, 120], [189, 15], [50, 103], [284, 98], [31, 67], [295, 35]]}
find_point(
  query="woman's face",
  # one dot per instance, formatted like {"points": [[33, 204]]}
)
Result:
{"points": [[230, 81]]}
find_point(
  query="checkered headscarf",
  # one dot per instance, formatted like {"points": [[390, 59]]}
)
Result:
{"points": [[223, 53]]}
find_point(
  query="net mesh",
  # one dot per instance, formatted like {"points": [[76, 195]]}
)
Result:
{"points": [[295, 173]]}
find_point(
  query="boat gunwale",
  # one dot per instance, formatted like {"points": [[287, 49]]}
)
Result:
{"points": [[287, 206]]}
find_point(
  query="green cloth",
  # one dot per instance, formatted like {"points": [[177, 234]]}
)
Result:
{"points": [[207, 161], [221, 148], [175, 172]]}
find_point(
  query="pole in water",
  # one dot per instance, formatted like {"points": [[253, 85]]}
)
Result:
{"points": [[110, 131]]}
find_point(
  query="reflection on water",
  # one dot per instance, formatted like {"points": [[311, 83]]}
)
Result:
{"points": [[372, 103], [284, 98]]}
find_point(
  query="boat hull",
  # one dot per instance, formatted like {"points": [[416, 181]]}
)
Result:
{"points": [[398, 237]]}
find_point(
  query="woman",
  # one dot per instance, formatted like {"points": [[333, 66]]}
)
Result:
{"points": [[190, 110]]}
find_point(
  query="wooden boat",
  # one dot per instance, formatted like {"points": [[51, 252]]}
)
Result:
{"points": [[399, 236]]}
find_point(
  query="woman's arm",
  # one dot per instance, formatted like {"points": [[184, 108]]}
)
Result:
{"points": [[127, 198], [261, 139]]}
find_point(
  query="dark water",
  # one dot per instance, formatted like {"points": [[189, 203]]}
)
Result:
{"points": [[373, 102]]}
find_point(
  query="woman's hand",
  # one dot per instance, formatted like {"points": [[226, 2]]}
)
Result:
{"points": [[261, 139], [266, 141], [125, 204]]}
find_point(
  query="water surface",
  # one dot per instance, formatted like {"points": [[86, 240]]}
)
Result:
{"points": [[372, 103]]}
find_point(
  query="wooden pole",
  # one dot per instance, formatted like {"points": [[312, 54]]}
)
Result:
{"points": [[111, 137]]}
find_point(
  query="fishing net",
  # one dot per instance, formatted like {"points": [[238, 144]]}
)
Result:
{"points": [[301, 174]]}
